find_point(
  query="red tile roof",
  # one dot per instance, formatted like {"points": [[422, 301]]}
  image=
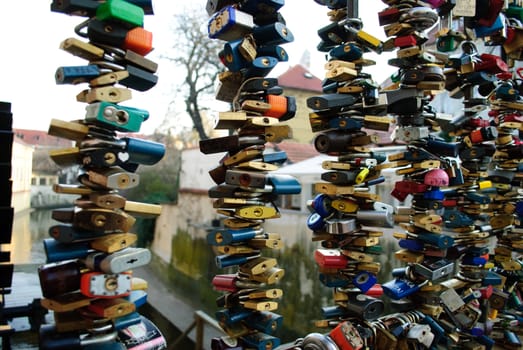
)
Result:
{"points": [[40, 138], [298, 77], [296, 152]]}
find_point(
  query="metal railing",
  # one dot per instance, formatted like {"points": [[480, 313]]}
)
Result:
{"points": [[200, 319]]}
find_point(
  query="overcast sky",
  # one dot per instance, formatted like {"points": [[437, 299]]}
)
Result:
{"points": [[31, 35]]}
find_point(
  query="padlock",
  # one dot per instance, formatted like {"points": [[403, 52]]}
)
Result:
{"points": [[420, 334], [261, 341], [131, 76], [106, 220], [100, 285], [436, 270], [111, 178], [59, 278], [272, 34], [232, 57], [118, 262], [76, 74], [365, 306], [225, 237], [111, 307], [120, 118], [84, 8], [113, 242], [69, 234], [264, 321], [82, 49], [346, 336], [112, 33], [231, 316], [56, 251], [223, 261], [270, 276], [400, 288], [121, 11], [260, 67], [348, 51], [451, 300]]}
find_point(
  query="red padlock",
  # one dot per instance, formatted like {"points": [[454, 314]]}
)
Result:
{"points": [[330, 258], [346, 336]]}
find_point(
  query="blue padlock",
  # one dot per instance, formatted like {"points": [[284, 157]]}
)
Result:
{"points": [[221, 237], [364, 280], [231, 316], [230, 24], [260, 67], [484, 31], [345, 123], [400, 288], [411, 244], [264, 321], [439, 240], [76, 74], [284, 184], [478, 197], [223, 261], [275, 157], [333, 311], [65, 233], [144, 151], [137, 297], [491, 278], [232, 58], [272, 34], [261, 341], [273, 51], [434, 194], [315, 222], [455, 218], [346, 52], [126, 321], [322, 205], [56, 251]]}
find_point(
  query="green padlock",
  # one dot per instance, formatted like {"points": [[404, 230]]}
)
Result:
{"points": [[449, 41], [116, 117], [514, 12], [121, 11]]}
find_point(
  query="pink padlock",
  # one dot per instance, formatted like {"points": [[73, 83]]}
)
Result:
{"points": [[436, 177]]}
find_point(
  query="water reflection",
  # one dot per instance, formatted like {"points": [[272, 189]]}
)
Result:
{"points": [[192, 268], [30, 228]]}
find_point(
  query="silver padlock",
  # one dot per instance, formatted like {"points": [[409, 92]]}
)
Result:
{"points": [[421, 333]]}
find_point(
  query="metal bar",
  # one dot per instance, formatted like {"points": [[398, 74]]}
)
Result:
{"points": [[353, 8], [183, 335], [199, 332]]}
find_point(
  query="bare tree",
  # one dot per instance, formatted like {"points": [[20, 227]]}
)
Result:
{"points": [[196, 54]]}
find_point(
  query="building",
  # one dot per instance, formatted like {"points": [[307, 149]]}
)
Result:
{"points": [[297, 81], [21, 172], [44, 172]]}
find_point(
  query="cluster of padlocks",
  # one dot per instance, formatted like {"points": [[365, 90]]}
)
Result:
{"points": [[246, 188], [461, 284], [87, 280], [346, 216]]}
